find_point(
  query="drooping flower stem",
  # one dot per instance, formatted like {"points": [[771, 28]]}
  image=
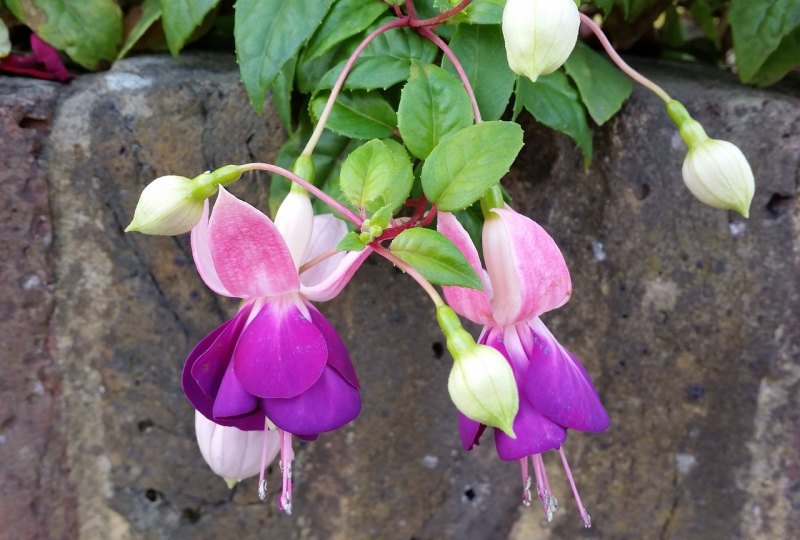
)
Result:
{"points": [[411, 271], [621, 64], [337, 87], [428, 34], [440, 18], [314, 190]]}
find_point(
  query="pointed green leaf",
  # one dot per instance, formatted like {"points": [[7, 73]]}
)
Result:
{"points": [[385, 62], [555, 103], [603, 88], [466, 164], [758, 28], [375, 174], [268, 33], [151, 11], [433, 106], [435, 257], [400, 187], [88, 31], [350, 242], [482, 53], [181, 18], [282, 90], [358, 115], [346, 19]]}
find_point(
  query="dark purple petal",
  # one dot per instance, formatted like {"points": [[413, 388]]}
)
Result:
{"points": [[338, 357], [232, 399], [470, 432], [199, 399], [558, 386], [208, 368], [329, 404], [535, 434], [280, 354]]}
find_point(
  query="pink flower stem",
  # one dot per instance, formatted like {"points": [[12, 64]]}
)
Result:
{"points": [[587, 521], [621, 64], [311, 188], [337, 87], [427, 33], [441, 17], [410, 270]]}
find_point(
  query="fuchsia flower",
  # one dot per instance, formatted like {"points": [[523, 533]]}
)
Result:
{"points": [[278, 363], [526, 276]]}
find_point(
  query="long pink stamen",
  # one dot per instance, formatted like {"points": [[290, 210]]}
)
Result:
{"points": [[262, 482], [287, 455], [549, 500], [526, 482], [537, 471], [587, 520]]}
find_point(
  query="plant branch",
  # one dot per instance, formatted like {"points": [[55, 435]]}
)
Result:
{"points": [[441, 17]]}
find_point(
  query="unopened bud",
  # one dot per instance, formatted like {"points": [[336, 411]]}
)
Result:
{"points": [[232, 453], [539, 35], [715, 171], [295, 221], [167, 206], [481, 383]]}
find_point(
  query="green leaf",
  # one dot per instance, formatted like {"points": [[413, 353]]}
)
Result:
{"points": [[433, 106], [555, 103], [605, 5], [603, 88], [5, 43], [151, 11], [88, 31], [282, 90], [758, 28], [466, 164], [358, 115], [181, 18], [372, 172], [482, 53], [350, 242], [385, 62], [703, 13], [781, 62], [435, 257], [346, 19], [632, 8], [268, 33]]}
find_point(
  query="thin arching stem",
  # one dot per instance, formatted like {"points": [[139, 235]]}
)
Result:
{"points": [[411, 271]]}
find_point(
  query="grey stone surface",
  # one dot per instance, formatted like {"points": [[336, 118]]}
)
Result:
{"points": [[686, 317]]}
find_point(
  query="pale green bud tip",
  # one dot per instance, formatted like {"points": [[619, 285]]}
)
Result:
{"points": [[718, 174], [483, 388], [231, 482], [168, 207], [539, 35]]}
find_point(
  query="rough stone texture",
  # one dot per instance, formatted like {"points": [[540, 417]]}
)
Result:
{"points": [[687, 318]]}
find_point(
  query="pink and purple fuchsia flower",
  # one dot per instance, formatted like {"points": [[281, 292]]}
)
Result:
{"points": [[526, 276], [278, 364]]}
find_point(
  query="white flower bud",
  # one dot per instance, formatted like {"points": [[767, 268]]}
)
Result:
{"points": [[230, 452], [295, 221], [167, 207], [717, 173], [539, 35]]}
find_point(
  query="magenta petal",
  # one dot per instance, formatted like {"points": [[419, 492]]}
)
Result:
{"points": [[559, 387], [200, 399], [280, 353], [249, 254], [528, 272], [209, 367], [338, 357], [535, 434], [201, 253], [470, 303], [232, 399], [48, 56], [469, 431], [329, 404]]}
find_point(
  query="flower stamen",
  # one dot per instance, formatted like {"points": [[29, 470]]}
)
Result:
{"points": [[585, 517], [526, 482], [287, 455]]}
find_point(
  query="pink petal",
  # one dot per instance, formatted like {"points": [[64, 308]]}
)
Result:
{"points": [[249, 253], [201, 252], [280, 354], [469, 303], [48, 56], [336, 281], [325, 234], [559, 387], [528, 272]]}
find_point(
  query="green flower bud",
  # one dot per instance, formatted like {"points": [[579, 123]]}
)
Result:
{"points": [[168, 206]]}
